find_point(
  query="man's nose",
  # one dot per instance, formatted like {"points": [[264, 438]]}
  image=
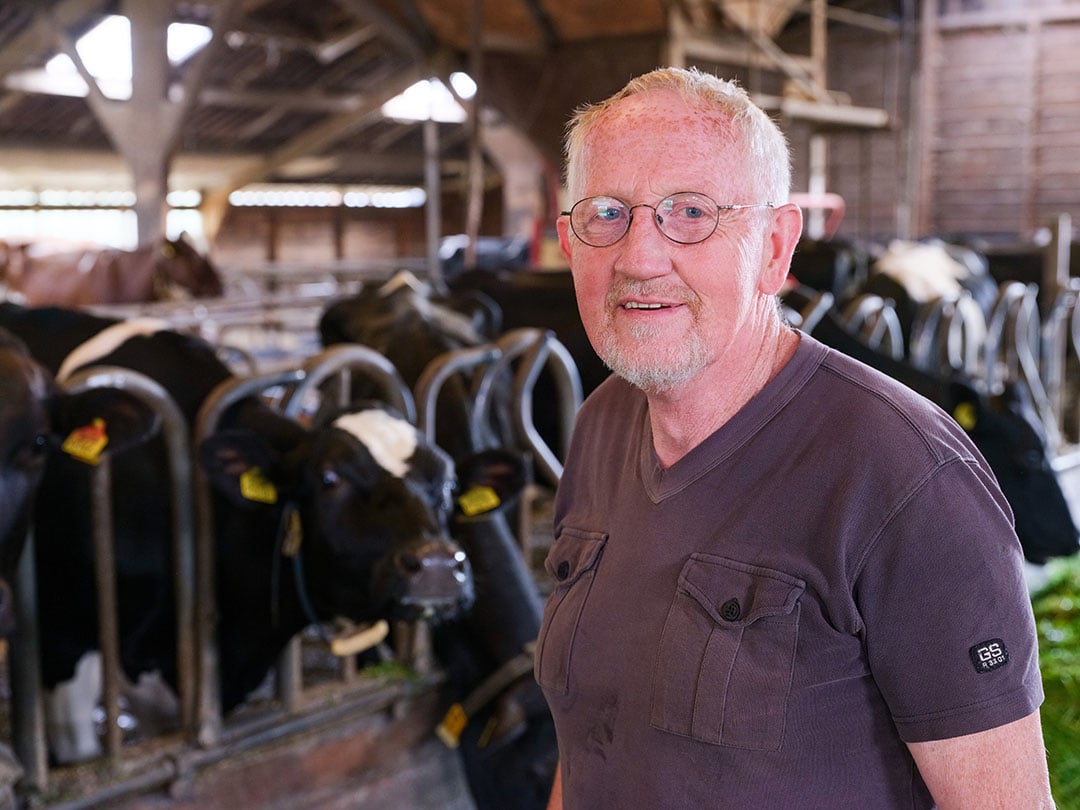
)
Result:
{"points": [[644, 249]]}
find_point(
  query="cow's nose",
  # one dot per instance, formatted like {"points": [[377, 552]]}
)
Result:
{"points": [[436, 575]]}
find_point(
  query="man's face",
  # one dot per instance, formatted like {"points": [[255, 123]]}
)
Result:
{"points": [[714, 297]]}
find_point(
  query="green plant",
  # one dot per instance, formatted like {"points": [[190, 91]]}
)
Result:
{"points": [[1057, 617]]}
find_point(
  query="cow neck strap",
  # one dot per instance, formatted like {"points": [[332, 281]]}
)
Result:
{"points": [[288, 544]]}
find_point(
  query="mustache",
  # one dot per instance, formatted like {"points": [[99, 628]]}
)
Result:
{"points": [[636, 288]]}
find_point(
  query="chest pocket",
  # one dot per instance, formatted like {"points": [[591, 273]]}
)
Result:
{"points": [[726, 654], [572, 564]]}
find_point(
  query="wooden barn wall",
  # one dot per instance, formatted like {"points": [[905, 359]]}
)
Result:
{"points": [[1001, 151], [869, 168]]}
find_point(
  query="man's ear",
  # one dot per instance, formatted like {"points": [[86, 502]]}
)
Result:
{"points": [[562, 227], [780, 242], [242, 466]]}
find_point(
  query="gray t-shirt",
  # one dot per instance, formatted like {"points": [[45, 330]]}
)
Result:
{"points": [[763, 624]]}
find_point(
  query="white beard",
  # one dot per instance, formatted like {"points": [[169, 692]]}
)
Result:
{"points": [[659, 371]]}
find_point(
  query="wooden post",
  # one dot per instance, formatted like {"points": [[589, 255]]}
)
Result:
{"points": [[433, 208], [474, 209]]}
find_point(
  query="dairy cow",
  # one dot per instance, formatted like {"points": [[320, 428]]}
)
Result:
{"points": [[371, 500], [496, 716], [35, 417], [163, 270], [1006, 431], [410, 323]]}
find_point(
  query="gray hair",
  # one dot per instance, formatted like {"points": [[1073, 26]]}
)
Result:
{"points": [[766, 146]]}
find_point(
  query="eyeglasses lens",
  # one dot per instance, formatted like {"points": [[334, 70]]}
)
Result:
{"points": [[686, 217]]}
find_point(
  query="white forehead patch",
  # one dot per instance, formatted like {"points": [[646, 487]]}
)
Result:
{"points": [[390, 440], [106, 341]]}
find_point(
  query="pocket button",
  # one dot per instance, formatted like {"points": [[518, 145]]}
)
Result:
{"points": [[730, 610], [563, 571]]}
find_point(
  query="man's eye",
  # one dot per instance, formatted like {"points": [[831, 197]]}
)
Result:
{"points": [[688, 212], [608, 214]]}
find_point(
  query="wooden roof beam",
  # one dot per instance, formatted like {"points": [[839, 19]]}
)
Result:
{"points": [[857, 19], [39, 34], [827, 114]]}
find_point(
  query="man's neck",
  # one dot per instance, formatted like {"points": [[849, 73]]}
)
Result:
{"points": [[683, 417]]}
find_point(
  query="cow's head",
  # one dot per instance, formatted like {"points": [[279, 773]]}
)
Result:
{"points": [[184, 270], [36, 418], [411, 324], [373, 500], [1008, 434]]}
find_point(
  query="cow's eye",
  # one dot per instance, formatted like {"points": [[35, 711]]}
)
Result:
{"points": [[330, 479], [32, 453]]}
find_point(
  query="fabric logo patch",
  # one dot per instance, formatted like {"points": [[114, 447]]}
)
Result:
{"points": [[989, 655]]}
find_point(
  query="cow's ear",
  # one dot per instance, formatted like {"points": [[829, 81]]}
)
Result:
{"points": [[965, 405], [241, 465], [98, 421], [488, 482]]}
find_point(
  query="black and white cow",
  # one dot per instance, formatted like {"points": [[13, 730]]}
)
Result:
{"points": [[36, 415], [372, 498], [410, 323], [496, 716], [1006, 431]]}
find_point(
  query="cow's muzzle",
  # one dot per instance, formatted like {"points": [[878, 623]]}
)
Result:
{"points": [[434, 579]]}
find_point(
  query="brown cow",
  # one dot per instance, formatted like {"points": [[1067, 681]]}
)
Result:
{"points": [[171, 269]]}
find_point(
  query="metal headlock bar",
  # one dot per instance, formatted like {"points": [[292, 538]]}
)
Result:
{"points": [[226, 394], [1011, 351], [537, 349], [343, 360], [208, 742], [30, 743], [438, 371], [1060, 339]]}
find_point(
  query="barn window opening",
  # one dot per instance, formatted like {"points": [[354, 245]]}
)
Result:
{"points": [[89, 216], [430, 99], [106, 51]]}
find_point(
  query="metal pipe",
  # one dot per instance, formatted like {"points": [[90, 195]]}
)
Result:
{"points": [[174, 431], [105, 576], [435, 375], [348, 357], [27, 716], [550, 352], [208, 712]]}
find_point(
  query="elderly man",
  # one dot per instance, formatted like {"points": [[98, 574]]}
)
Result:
{"points": [[780, 579]]}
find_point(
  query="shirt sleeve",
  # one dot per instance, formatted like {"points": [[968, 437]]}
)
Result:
{"points": [[947, 619]]}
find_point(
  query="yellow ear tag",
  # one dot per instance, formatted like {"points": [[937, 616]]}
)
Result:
{"points": [[87, 442], [964, 414], [257, 487], [477, 500], [453, 723], [294, 535]]}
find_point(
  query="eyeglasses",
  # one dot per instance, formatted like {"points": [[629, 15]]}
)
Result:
{"points": [[687, 217]]}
